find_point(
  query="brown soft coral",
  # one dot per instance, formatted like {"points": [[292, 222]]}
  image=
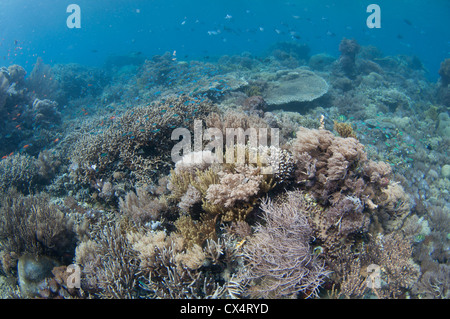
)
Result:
{"points": [[325, 162], [233, 187], [337, 172], [35, 226]]}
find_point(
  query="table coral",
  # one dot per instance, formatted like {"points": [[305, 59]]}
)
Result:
{"points": [[295, 86]]}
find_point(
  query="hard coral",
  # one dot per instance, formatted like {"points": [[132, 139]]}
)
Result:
{"points": [[19, 171], [138, 143], [229, 191], [347, 61], [392, 253]]}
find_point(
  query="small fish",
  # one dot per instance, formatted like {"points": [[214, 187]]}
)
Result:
{"points": [[56, 140], [407, 22], [5, 157], [228, 17], [26, 146]]}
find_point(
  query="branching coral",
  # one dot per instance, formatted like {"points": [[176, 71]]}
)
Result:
{"points": [[19, 171], [138, 143], [109, 264], [280, 262], [229, 191]]}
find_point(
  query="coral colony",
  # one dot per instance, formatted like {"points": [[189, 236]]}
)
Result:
{"points": [[283, 176]]}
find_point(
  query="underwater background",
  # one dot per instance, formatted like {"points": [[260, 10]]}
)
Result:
{"points": [[350, 199]]}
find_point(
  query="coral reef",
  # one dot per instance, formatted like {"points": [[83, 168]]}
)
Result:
{"points": [[228, 191], [109, 265], [357, 187], [141, 207]]}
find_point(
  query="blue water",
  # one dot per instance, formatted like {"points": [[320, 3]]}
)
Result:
{"points": [[206, 28]]}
